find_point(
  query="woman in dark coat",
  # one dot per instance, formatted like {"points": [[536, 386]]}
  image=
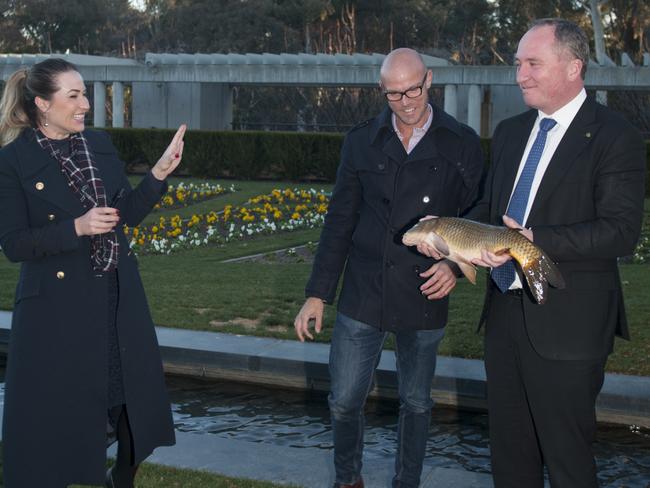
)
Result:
{"points": [[83, 366]]}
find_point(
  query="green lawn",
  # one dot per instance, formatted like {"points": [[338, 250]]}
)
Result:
{"points": [[156, 476], [193, 289]]}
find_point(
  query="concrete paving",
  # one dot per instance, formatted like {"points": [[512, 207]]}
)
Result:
{"points": [[309, 468]]}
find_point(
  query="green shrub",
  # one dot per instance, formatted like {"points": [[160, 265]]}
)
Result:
{"points": [[251, 154], [238, 154]]}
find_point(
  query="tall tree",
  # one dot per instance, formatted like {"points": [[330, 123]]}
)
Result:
{"points": [[82, 26]]}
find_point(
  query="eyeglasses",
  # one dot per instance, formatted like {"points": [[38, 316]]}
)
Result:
{"points": [[396, 96]]}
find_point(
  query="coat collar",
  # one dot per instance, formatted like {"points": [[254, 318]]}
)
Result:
{"points": [[41, 175], [441, 120], [383, 135]]}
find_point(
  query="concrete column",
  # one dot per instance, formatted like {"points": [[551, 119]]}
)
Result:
{"points": [[451, 100], [99, 104], [601, 97], [474, 108], [118, 104], [626, 60], [216, 100], [207, 106], [149, 105]]}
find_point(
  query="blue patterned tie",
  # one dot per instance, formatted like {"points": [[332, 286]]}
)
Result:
{"points": [[504, 275]]}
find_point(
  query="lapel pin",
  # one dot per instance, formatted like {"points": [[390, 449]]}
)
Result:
{"points": [[39, 185], [588, 134]]}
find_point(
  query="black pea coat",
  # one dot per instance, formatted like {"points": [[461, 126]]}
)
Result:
{"points": [[55, 414], [587, 212], [380, 192]]}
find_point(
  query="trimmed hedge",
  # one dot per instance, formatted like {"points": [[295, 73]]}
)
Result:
{"points": [[238, 154], [251, 154]]}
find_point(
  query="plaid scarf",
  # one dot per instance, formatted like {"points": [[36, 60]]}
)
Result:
{"points": [[85, 182]]}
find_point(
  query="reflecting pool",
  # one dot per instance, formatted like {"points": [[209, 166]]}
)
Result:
{"points": [[457, 439]]}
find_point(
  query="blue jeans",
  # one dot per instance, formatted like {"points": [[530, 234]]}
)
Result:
{"points": [[354, 355]]}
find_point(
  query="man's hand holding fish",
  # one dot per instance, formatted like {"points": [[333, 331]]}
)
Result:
{"points": [[489, 259]]}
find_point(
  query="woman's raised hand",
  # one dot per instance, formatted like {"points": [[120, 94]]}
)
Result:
{"points": [[171, 157]]}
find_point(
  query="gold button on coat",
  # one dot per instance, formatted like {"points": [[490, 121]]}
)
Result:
{"points": [[60, 275], [39, 185], [51, 217]]}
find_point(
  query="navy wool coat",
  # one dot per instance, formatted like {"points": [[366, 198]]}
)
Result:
{"points": [[380, 192], [55, 414]]}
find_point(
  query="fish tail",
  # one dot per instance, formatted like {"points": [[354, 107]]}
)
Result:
{"points": [[541, 272]]}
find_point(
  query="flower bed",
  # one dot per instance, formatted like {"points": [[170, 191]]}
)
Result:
{"points": [[642, 252], [281, 210], [185, 194]]}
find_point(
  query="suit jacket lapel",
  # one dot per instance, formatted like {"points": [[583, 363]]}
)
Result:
{"points": [[511, 154], [575, 140], [42, 176]]}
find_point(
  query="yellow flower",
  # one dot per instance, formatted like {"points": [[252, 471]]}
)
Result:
{"points": [[211, 218]]}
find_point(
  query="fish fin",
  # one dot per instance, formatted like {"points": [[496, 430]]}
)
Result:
{"points": [[440, 244], [468, 270], [553, 275], [537, 285], [539, 274]]}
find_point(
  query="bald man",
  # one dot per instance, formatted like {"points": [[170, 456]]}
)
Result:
{"points": [[411, 160]]}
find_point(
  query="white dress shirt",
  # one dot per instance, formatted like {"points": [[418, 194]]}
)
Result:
{"points": [[564, 116]]}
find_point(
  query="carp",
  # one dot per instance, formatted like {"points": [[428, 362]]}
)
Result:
{"points": [[461, 241]]}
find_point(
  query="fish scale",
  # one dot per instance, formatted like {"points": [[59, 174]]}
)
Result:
{"points": [[462, 240]]}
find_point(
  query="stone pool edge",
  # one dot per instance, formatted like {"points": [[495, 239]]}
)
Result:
{"points": [[624, 399]]}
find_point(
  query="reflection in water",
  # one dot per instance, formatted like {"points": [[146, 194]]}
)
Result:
{"points": [[301, 419]]}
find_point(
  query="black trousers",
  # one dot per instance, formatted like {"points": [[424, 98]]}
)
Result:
{"points": [[541, 412]]}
